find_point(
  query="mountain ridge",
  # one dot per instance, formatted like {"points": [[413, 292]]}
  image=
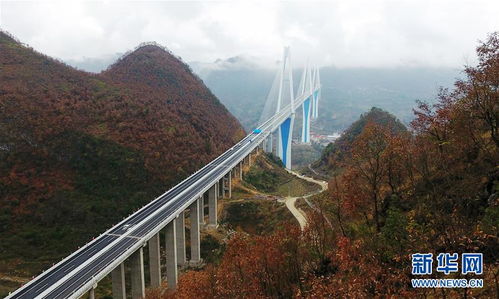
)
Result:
{"points": [[336, 151], [79, 150]]}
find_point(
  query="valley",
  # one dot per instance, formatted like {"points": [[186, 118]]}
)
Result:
{"points": [[171, 150]]}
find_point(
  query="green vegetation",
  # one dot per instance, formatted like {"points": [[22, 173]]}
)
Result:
{"points": [[346, 92], [255, 216], [80, 151], [304, 154], [254, 208], [393, 193], [335, 153], [111, 181], [268, 176]]}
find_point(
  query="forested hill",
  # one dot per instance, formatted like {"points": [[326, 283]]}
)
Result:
{"points": [[186, 123], [79, 151], [433, 189], [337, 151]]}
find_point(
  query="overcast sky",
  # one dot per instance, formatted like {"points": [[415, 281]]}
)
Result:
{"points": [[341, 33]]}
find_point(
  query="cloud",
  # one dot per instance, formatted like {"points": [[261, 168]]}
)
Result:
{"points": [[358, 33]]}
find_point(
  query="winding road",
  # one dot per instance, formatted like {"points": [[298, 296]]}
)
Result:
{"points": [[290, 201]]}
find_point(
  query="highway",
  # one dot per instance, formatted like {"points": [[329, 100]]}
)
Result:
{"points": [[78, 272]]}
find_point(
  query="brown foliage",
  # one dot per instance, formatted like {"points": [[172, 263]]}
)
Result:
{"points": [[143, 125], [149, 101], [396, 193]]}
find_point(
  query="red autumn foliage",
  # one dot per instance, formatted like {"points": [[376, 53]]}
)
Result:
{"points": [[394, 193], [79, 151]]}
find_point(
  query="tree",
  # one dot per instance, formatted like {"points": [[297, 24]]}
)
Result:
{"points": [[367, 160]]}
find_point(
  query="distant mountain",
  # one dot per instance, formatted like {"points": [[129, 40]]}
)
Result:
{"points": [[235, 63], [335, 151], [79, 151], [346, 93], [94, 64]]}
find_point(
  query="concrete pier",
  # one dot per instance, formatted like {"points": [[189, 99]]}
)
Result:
{"points": [[224, 186], [229, 185], [212, 206], [217, 190], [154, 261], [221, 188], [180, 233], [201, 210], [268, 144], [118, 278], [137, 269], [195, 238], [171, 255]]}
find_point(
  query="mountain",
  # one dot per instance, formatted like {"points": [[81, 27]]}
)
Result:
{"points": [[78, 151], [346, 92], [183, 116], [335, 152], [234, 63], [433, 190], [94, 64]]}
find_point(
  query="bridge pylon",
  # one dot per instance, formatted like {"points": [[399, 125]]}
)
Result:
{"points": [[306, 87], [316, 93], [285, 95]]}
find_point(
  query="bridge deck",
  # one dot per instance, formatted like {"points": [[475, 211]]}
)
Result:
{"points": [[78, 272]]}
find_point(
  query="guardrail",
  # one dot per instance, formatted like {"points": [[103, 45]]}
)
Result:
{"points": [[244, 148]]}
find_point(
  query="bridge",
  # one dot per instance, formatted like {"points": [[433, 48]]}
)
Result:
{"points": [[79, 273]]}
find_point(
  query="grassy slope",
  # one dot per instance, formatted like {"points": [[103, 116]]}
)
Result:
{"points": [[268, 177], [254, 208]]}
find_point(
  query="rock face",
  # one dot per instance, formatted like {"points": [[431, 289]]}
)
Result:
{"points": [[79, 151]]}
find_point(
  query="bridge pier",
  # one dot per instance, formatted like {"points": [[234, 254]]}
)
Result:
{"points": [[171, 255], [212, 206], [277, 141], [154, 261], [118, 278], [195, 238], [224, 186], [269, 145], [227, 185], [201, 210], [180, 235], [137, 274], [305, 132], [285, 135], [315, 111], [316, 93], [221, 188]]}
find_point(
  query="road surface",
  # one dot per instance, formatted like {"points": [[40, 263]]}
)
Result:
{"points": [[290, 201]]}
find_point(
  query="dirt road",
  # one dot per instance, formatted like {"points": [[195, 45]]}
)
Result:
{"points": [[290, 201]]}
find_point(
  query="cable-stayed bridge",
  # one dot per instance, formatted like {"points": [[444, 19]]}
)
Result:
{"points": [[79, 273]]}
